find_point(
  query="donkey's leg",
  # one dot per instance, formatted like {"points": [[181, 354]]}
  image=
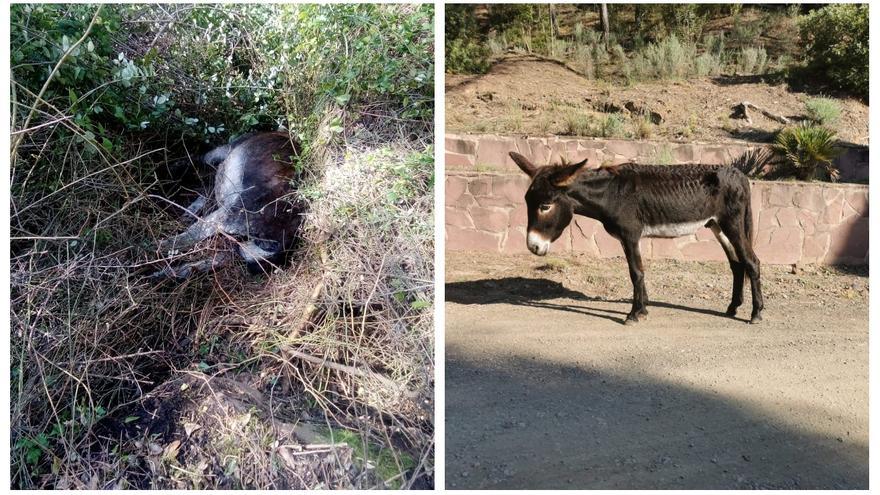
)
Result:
{"points": [[738, 269], [186, 270], [202, 229], [637, 275], [752, 266], [197, 206]]}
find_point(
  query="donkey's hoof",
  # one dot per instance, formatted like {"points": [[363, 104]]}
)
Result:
{"points": [[755, 319], [633, 318], [731, 311]]}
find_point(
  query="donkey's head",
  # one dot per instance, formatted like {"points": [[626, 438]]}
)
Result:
{"points": [[550, 209]]}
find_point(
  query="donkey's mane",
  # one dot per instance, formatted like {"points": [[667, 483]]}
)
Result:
{"points": [[650, 172]]}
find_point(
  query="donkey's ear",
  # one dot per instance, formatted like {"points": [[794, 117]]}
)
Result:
{"points": [[524, 164], [566, 175]]}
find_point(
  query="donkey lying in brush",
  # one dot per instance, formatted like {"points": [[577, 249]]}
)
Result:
{"points": [[252, 190], [635, 201]]}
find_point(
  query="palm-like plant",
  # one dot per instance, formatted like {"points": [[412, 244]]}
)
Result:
{"points": [[807, 147]]}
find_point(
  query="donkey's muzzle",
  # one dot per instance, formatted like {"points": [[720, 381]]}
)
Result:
{"points": [[538, 244]]}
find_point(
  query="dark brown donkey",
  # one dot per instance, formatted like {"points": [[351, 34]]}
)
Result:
{"points": [[635, 201], [252, 191]]}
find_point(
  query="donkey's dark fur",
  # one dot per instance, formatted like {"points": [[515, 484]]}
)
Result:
{"points": [[252, 190], [635, 201]]}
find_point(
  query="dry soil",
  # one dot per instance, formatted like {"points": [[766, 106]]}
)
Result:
{"points": [[522, 94]]}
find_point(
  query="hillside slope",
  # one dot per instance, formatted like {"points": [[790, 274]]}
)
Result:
{"points": [[524, 94]]}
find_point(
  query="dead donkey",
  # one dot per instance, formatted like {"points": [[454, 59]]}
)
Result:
{"points": [[634, 201], [252, 189]]}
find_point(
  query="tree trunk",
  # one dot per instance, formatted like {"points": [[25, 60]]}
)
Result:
{"points": [[640, 19], [554, 27], [606, 26]]}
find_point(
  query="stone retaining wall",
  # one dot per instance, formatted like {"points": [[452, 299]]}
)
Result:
{"points": [[489, 153], [794, 222]]}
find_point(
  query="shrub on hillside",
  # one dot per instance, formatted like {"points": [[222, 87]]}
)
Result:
{"points": [[612, 125], [707, 64], [685, 20], [465, 51], [752, 60], [667, 59], [466, 57], [578, 124], [823, 111], [835, 40]]}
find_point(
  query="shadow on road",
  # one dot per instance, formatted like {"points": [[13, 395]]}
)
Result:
{"points": [[534, 292], [516, 422]]}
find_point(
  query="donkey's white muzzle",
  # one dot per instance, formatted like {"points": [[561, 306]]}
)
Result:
{"points": [[538, 244]]}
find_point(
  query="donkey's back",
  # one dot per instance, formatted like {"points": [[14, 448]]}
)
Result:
{"points": [[665, 196]]}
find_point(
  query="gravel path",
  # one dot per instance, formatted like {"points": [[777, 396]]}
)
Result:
{"points": [[545, 388]]}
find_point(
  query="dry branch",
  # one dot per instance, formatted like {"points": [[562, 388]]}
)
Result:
{"points": [[344, 368], [741, 111], [312, 305]]}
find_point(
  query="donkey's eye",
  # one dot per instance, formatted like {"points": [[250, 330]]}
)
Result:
{"points": [[545, 207]]}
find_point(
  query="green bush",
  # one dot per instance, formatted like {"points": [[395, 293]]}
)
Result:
{"points": [[584, 60], [667, 59], [578, 124], [707, 64], [581, 124], [744, 31], [466, 57], [684, 20], [558, 48], [835, 40], [823, 111], [714, 44], [215, 72], [613, 125], [752, 60], [497, 44], [643, 125], [807, 148], [466, 52]]}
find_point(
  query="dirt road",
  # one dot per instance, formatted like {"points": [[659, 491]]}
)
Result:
{"points": [[545, 388]]}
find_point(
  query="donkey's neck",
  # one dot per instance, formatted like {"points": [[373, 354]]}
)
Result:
{"points": [[593, 196]]}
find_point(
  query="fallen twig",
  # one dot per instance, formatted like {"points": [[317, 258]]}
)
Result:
{"points": [[741, 111], [312, 305]]}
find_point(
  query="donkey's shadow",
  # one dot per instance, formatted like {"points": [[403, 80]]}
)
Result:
{"points": [[539, 292]]}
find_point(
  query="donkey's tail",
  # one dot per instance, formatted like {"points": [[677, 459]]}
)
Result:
{"points": [[753, 162]]}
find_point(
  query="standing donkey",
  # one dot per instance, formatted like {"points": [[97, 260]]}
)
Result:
{"points": [[634, 201], [252, 188]]}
